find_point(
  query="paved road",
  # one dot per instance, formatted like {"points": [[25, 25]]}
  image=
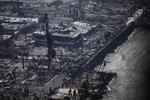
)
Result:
{"points": [[55, 82]]}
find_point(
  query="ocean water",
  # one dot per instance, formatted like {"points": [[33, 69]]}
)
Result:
{"points": [[131, 63]]}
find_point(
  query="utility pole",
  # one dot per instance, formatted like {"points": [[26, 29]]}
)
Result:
{"points": [[81, 9], [49, 42], [135, 3]]}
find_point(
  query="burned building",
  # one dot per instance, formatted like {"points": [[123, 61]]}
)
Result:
{"points": [[12, 7], [68, 39]]}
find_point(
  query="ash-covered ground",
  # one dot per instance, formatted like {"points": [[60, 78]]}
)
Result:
{"points": [[131, 63]]}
